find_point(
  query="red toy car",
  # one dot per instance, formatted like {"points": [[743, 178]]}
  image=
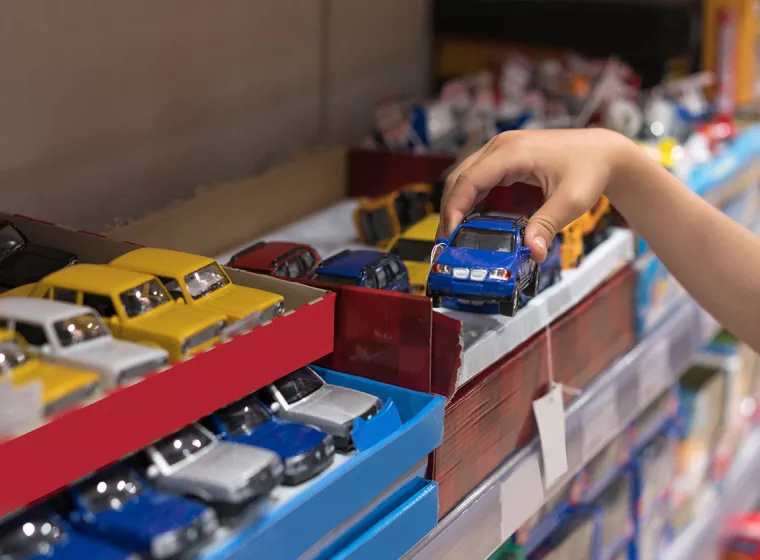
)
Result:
{"points": [[277, 258], [719, 131]]}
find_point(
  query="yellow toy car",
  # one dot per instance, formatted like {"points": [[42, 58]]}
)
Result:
{"points": [[662, 151], [134, 305], [415, 246], [581, 236], [378, 220], [62, 386], [202, 283]]}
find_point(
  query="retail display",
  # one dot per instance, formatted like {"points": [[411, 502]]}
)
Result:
{"points": [[363, 268]]}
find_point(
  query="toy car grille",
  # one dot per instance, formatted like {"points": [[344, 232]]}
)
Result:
{"points": [[205, 335]]}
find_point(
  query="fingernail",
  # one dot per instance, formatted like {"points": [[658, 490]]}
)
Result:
{"points": [[541, 242]]}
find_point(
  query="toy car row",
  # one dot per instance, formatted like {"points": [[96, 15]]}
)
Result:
{"points": [[166, 498]]}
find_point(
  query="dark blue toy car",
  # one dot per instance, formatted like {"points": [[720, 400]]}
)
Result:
{"points": [[304, 450], [42, 535], [366, 268], [118, 506], [485, 260]]}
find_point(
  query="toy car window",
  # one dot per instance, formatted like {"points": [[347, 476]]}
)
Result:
{"points": [[205, 280], [333, 279], [308, 260], [3, 323], [34, 538], [143, 298], [282, 271], [413, 250], [298, 385], [394, 268], [33, 334], [62, 294], [371, 281], [13, 355], [294, 270], [485, 240], [10, 239], [172, 286], [103, 494], [182, 444], [243, 416], [382, 277], [81, 328], [102, 304]]}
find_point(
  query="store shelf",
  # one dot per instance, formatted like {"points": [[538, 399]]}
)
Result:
{"points": [[740, 493], [515, 492], [489, 337]]}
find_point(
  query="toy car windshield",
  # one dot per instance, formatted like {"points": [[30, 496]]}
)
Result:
{"points": [[378, 222], [79, 329], [485, 240], [243, 416], [32, 539], [205, 281], [10, 239], [143, 298], [298, 385], [103, 494], [11, 356], [413, 250], [181, 445]]}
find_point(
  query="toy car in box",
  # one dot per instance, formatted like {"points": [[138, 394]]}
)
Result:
{"points": [[485, 260], [277, 258], [378, 220], [364, 268], [415, 246]]}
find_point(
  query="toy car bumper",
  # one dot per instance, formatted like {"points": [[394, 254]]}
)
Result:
{"points": [[253, 320], [486, 290]]}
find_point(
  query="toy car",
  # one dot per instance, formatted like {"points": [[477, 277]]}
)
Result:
{"points": [[485, 260], [134, 305], [277, 258], [305, 451], [365, 268], [22, 262], [118, 506], [62, 386], [415, 247], [302, 396], [201, 282], [378, 220], [192, 462], [41, 534], [76, 336]]}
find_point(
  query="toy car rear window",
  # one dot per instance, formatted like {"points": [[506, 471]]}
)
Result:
{"points": [[243, 416], [413, 250], [182, 444], [485, 240], [10, 239], [298, 385], [334, 279], [377, 224]]}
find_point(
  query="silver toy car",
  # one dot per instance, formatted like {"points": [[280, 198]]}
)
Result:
{"points": [[76, 336], [304, 397], [192, 462]]}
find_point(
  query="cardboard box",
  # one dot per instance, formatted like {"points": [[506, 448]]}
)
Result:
{"points": [[81, 440]]}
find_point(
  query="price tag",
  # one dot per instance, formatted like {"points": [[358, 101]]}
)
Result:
{"points": [[521, 495], [654, 371], [600, 423], [550, 420]]}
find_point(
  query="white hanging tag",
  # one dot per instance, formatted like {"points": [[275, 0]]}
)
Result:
{"points": [[550, 420]]}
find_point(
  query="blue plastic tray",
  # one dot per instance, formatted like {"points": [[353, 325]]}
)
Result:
{"points": [[288, 528]]}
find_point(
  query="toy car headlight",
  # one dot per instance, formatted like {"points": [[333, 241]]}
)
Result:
{"points": [[499, 274], [441, 269], [209, 521], [165, 545]]}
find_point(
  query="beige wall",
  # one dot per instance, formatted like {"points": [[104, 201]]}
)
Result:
{"points": [[110, 109]]}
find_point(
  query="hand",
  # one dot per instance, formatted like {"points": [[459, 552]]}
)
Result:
{"points": [[572, 167]]}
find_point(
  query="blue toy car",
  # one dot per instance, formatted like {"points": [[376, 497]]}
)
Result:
{"points": [[304, 450], [118, 506], [42, 535], [366, 268], [485, 260]]}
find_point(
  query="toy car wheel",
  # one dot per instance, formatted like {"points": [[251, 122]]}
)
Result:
{"points": [[535, 283], [437, 301], [509, 308]]}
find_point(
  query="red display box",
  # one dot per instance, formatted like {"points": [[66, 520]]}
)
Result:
{"points": [[84, 439], [491, 417]]}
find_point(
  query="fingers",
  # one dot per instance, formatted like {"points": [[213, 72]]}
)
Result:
{"points": [[503, 161], [559, 210]]}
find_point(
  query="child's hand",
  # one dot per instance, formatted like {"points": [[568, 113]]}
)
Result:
{"points": [[572, 168]]}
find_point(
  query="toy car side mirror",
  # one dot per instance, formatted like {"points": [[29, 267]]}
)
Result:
{"points": [[152, 471], [46, 349], [441, 241], [524, 250], [275, 407], [180, 300]]}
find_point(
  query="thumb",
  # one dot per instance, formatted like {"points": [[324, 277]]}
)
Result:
{"points": [[559, 210]]}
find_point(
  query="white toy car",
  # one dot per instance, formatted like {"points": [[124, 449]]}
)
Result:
{"points": [[75, 335]]}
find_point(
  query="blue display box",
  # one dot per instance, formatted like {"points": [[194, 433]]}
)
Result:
{"points": [[287, 525]]}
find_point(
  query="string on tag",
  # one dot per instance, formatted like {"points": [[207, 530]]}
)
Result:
{"points": [[436, 248], [572, 391]]}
